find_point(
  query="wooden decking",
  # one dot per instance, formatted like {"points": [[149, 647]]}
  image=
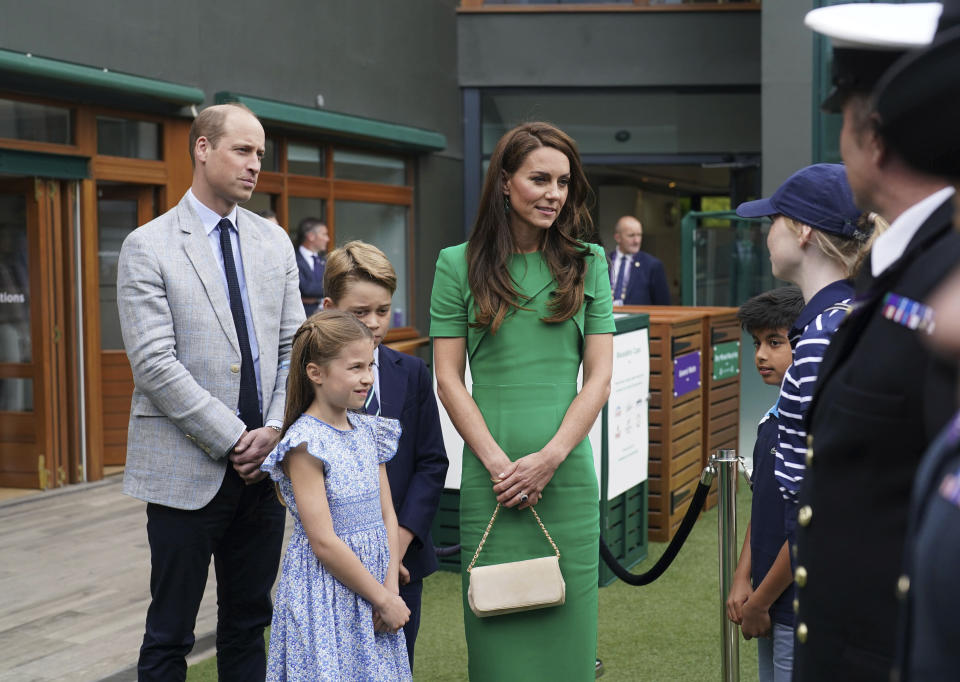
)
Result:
{"points": [[74, 580]]}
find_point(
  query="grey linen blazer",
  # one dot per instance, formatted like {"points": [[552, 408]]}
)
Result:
{"points": [[180, 338]]}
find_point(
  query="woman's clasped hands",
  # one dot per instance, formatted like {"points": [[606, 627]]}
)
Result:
{"points": [[520, 484]]}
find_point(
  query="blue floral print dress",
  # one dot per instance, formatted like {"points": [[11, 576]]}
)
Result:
{"points": [[321, 629]]}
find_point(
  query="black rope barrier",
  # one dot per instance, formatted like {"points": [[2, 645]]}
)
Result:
{"points": [[447, 551], [663, 563]]}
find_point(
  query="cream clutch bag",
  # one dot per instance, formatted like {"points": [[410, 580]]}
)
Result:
{"points": [[515, 586]]}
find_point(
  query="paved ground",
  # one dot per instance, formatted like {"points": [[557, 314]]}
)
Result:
{"points": [[74, 586]]}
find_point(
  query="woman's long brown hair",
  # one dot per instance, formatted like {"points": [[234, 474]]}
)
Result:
{"points": [[319, 340], [491, 242]]}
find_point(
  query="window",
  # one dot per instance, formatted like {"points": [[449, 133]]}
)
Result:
{"points": [[128, 138], [384, 226], [350, 165], [305, 159], [358, 193], [35, 122]]}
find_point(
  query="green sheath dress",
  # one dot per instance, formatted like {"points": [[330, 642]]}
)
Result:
{"points": [[524, 379]]}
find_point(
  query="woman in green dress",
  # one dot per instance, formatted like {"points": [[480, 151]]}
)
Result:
{"points": [[526, 302]]}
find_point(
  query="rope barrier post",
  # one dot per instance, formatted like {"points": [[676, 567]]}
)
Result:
{"points": [[726, 463]]}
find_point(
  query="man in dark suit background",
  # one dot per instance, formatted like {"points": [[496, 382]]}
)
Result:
{"points": [[360, 280], [637, 278], [312, 240]]}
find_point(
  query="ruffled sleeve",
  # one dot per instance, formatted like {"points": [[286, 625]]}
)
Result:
{"points": [[387, 436], [295, 436]]}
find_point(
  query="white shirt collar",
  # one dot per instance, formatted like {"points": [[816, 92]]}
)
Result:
{"points": [[890, 245], [307, 254], [620, 254], [208, 217]]}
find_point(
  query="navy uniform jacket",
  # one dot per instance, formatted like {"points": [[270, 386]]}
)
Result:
{"points": [[929, 636], [647, 284], [881, 398], [311, 283], [418, 470]]}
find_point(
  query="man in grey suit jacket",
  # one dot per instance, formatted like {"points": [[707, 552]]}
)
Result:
{"points": [[209, 302]]}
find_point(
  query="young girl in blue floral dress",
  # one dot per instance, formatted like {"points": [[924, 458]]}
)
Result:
{"points": [[337, 613]]}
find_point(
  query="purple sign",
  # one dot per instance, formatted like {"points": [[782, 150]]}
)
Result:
{"points": [[686, 373]]}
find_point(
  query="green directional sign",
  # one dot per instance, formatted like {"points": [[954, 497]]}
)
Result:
{"points": [[726, 360]]}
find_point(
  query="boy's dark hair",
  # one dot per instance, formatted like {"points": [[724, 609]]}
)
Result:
{"points": [[774, 309]]}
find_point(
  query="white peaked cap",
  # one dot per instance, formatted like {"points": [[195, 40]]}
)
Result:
{"points": [[877, 26]]}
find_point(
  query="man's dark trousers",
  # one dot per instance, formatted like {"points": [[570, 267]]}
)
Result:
{"points": [[242, 527]]}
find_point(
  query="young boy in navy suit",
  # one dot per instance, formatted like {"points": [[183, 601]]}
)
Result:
{"points": [[761, 597], [360, 280]]}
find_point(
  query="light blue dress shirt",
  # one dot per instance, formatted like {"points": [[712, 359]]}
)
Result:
{"points": [[210, 219]]}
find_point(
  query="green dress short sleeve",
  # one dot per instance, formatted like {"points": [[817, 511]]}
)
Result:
{"points": [[449, 300], [598, 317]]}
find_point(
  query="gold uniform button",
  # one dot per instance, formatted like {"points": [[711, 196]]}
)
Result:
{"points": [[809, 440], [796, 606], [809, 458], [800, 577], [903, 586], [805, 515], [235, 368], [802, 632]]}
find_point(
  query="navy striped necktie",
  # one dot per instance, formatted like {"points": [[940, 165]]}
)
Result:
{"points": [[248, 404]]}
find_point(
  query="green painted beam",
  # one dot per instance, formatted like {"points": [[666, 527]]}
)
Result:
{"points": [[322, 121], [40, 164], [44, 69]]}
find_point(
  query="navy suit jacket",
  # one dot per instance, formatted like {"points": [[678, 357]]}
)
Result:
{"points": [[647, 284], [419, 469], [311, 285]]}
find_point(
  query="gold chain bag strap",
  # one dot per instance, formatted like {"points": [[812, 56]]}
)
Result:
{"points": [[515, 586]]}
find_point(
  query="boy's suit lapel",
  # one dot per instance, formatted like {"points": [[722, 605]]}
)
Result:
{"points": [[392, 383], [197, 246]]}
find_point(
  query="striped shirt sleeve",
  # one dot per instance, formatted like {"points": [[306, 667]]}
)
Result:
{"points": [[796, 393]]}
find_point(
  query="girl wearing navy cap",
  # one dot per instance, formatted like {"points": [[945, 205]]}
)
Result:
{"points": [[816, 242]]}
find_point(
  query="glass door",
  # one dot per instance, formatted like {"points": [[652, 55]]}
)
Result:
{"points": [[120, 209], [34, 381]]}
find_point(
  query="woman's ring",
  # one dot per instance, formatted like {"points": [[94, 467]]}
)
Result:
{"points": [[523, 498]]}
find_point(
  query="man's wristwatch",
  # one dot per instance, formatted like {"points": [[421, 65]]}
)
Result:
{"points": [[275, 428]]}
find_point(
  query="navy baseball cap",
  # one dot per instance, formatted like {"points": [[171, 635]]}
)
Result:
{"points": [[818, 196]]}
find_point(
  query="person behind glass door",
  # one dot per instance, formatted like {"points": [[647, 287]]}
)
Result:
{"points": [[312, 240], [208, 326], [636, 277]]}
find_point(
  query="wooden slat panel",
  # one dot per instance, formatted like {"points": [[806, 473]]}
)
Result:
{"points": [[686, 409], [728, 389], [723, 421]]}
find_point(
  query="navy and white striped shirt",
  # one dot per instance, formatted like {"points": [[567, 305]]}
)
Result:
{"points": [[809, 338]]}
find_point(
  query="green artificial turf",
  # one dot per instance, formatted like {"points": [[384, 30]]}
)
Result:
{"points": [[669, 630]]}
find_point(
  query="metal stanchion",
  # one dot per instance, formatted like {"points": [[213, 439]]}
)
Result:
{"points": [[726, 463]]}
